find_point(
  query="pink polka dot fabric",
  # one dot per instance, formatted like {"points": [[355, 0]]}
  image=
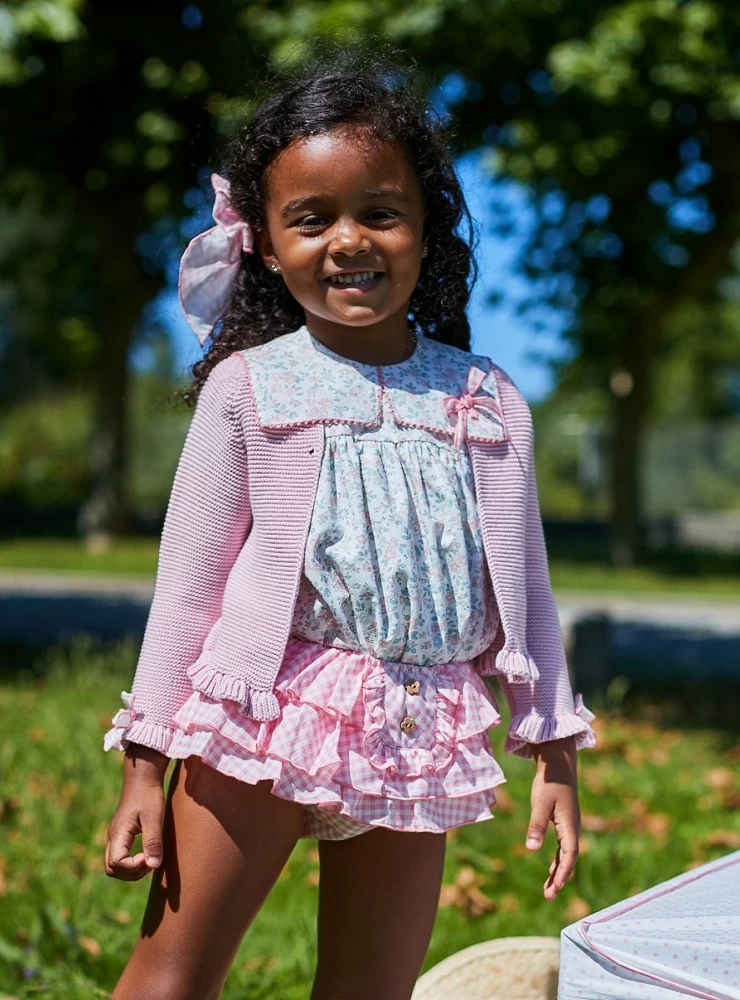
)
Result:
{"points": [[679, 939], [339, 749]]}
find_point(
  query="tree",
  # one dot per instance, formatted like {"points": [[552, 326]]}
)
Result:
{"points": [[104, 128], [619, 118]]}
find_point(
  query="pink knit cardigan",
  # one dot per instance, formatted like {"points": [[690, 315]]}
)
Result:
{"points": [[233, 544]]}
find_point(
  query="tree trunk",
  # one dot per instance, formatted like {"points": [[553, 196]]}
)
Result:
{"points": [[105, 512], [629, 418], [124, 290]]}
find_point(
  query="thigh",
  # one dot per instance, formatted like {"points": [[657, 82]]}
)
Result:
{"points": [[378, 897], [225, 843]]}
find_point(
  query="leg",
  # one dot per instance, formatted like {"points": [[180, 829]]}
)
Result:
{"points": [[378, 897], [225, 843]]}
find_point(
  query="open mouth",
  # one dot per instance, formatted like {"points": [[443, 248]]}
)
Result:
{"points": [[359, 280]]}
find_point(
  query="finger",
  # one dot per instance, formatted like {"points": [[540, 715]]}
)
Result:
{"points": [[537, 828], [118, 863], [151, 835], [567, 857]]}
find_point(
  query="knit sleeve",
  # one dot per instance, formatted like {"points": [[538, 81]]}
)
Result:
{"points": [[543, 709], [208, 519]]}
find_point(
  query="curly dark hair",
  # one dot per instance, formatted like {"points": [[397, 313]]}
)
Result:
{"points": [[373, 90]]}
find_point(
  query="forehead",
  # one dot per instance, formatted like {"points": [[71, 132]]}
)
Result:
{"points": [[340, 163]]}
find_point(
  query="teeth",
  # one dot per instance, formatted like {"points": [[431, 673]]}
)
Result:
{"points": [[351, 279]]}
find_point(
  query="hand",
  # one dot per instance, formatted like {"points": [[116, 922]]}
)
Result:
{"points": [[140, 810], [555, 796]]}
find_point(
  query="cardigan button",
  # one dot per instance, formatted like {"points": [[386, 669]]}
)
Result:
{"points": [[412, 686], [408, 724]]}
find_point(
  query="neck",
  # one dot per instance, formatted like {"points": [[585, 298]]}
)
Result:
{"points": [[370, 345]]}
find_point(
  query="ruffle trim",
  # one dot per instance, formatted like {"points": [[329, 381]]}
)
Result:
{"points": [[259, 705], [515, 664], [528, 728], [129, 728], [331, 745]]}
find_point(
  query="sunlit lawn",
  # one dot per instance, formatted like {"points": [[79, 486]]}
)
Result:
{"points": [[137, 556], [655, 800]]}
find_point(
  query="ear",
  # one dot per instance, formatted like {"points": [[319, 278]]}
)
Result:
{"points": [[264, 245]]}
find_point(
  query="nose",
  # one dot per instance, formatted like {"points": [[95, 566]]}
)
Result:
{"points": [[349, 238]]}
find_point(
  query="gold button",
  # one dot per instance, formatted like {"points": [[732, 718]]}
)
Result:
{"points": [[408, 724], [413, 686]]}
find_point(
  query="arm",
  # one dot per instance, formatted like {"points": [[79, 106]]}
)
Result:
{"points": [[544, 709], [208, 519]]}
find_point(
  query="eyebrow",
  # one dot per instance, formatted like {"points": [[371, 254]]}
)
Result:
{"points": [[393, 194]]}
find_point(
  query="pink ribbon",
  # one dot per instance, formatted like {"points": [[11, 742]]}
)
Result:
{"points": [[582, 710], [464, 407], [211, 262]]}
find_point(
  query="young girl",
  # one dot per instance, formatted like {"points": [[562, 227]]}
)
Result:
{"points": [[353, 540]]}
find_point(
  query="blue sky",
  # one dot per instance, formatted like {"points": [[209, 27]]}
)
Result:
{"points": [[497, 331]]}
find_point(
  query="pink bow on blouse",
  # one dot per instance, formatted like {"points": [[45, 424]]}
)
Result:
{"points": [[464, 407]]}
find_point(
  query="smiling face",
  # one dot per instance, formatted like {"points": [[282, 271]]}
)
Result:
{"points": [[335, 206]]}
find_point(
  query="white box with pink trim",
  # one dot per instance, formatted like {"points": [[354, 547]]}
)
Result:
{"points": [[678, 939]]}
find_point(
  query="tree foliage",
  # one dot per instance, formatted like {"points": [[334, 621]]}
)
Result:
{"points": [[620, 119]]}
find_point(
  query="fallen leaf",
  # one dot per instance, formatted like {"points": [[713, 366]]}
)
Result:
{"points": [[577, 909], [723, 838], [36, 734], [659, 756], [90, 945], [465, 893], [584, 845], [509, 903], [312, 878], [656, 824], [496, 864], [721, 778], [121, 916], [601, 824]]}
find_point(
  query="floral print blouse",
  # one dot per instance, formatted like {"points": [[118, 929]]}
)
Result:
{"points": [[394, 563]]}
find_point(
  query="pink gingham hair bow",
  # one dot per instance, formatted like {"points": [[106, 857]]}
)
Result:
{"points": [[211, 263], [464, 406]]}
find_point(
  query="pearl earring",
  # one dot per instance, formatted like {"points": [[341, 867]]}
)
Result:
{"points": [[275, 268]]}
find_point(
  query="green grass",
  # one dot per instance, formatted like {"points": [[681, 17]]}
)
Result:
{"points": [[137, 556], [567, 575], [655, 799]]}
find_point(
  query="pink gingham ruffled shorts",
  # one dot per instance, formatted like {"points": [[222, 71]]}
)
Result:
{"points": [[360, 742]]}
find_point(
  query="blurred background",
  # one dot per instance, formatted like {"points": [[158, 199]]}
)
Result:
{"points": [[598, 145]]}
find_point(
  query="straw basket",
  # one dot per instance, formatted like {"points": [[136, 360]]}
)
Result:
{"points": [[513, 968]]}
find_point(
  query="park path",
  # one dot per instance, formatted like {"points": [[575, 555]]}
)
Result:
{"points": [[664, 635]]}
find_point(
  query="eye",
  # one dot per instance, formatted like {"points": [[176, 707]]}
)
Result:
{"points": [[308, 224]]}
